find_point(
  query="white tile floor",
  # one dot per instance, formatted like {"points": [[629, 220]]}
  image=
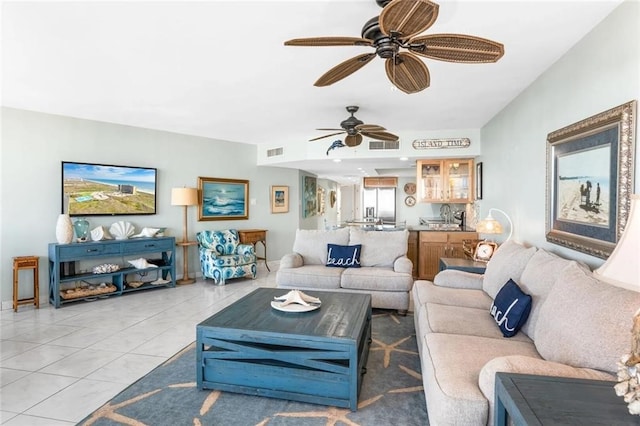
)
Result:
{"points": [[59, 365]]}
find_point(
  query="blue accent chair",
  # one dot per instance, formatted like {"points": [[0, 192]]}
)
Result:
{"points": [[222, 257]]}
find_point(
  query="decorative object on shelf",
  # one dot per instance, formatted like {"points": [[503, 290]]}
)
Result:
{"points": [[122, 230], [146, 233], [279, 199], [105, 268], [491, 226], [410, 200], [141, 263], [185, 197], [100, 233], [89, 291], [479, 181], [484, 250], [161, 232], [223, 199], [64, 229], [590, 179], [410, 188], [81, 228]]}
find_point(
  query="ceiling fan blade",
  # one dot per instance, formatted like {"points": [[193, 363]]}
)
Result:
{"points": [[344, 69], [369, 128], [352, 141], [329, 41], [382, 136], [457, 48], [408, 73], [407, 17], [326, 136], [331, 130]]}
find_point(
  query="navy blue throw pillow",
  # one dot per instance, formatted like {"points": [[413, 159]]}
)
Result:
{"points": [[343, 256], [511, 308]]}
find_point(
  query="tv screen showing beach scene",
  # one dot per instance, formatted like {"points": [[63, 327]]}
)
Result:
{"points": [[107, 190]]}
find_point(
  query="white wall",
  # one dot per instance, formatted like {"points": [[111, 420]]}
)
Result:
{"points": [[34, 144], [602, 71]]}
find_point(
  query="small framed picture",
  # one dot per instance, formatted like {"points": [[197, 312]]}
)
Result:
{"points": [[479, 181], [279, 199]]}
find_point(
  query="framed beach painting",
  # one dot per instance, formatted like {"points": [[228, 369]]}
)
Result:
{"points": [[222, 199], [279, 199], [589, 181]]}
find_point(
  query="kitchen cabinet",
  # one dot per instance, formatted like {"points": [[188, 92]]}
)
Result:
{"points": [[434, 245], [380, 182], [449, 180], [412, 251]]}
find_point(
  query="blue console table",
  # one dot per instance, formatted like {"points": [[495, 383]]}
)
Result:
{"points": [[82, 283]]}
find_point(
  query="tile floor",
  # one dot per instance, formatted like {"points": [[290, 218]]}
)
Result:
{"points": [[59, 365]]}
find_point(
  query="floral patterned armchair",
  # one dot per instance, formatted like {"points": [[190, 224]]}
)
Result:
{"points": [[222, 257]]}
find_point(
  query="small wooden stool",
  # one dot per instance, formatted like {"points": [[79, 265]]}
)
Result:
{"points": [[26, 262]]}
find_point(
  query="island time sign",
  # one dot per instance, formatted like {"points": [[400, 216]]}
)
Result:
{"points": [[441, 143]]}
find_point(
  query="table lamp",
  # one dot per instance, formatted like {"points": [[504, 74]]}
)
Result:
{"points": [[185, 197], [489, 225]]}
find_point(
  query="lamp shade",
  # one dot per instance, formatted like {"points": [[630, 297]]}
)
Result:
{"points": [[491, 226], [622, 268], [184, 197]]}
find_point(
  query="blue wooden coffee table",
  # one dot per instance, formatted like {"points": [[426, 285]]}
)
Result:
{"points": [[317, 357]]}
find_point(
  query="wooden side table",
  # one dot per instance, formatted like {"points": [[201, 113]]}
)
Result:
{"points": [[253, 236], [545, 400], [466, 265], [26, 262], [186, 279]]}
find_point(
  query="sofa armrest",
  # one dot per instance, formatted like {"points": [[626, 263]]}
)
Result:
{"points": [[403, 265], [458, 279], [291, 260]]}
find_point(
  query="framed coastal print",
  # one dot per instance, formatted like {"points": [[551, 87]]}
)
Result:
{"points": [[479, 181], [309, 196], [223, 199], [589, 181], [279, 199]]}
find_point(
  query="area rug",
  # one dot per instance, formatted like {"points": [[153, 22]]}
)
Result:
{"points": [[391, 392]]}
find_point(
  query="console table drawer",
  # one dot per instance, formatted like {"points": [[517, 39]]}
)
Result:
{"points": [[148, 245], [84, 250]]}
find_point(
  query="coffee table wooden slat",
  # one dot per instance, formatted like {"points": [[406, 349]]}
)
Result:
{"points": [[315, 357]]}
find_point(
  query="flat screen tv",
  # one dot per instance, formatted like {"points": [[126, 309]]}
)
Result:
{"points": [[107, 190]]}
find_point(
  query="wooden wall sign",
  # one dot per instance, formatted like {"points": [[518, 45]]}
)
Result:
{"points": [[441, 143]]}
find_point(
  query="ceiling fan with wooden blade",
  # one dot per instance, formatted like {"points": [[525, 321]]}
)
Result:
{"points": [[356, 129], [397, 28]]}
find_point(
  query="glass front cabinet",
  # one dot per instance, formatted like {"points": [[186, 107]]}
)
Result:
{"points": [[448, 180]]}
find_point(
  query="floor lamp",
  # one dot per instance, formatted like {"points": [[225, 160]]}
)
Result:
{"points": [[491, 226], [185, 197]]}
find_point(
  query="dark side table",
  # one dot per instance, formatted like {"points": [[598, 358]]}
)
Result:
{"points": [[545, 400], [466, 265]]}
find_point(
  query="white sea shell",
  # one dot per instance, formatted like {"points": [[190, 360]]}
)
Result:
{"points": [[147, 232], [122, 230], [142, 263], [100, 233]]}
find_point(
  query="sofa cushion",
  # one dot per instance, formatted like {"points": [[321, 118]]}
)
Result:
{"points": [[528, 365], [380, 248], [425, 291], [310, 276], [537, 279], [376, 278], [436, 318], [343, 256], [312, 244], [507, 263], [510, 309], [451, 365], [585, 322]]}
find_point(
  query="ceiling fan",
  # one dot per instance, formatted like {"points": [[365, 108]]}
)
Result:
{"points": [[395, 29], [355, 129]]}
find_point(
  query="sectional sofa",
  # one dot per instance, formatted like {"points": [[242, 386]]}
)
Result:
{"points": [[577, 326], [382, 270]]}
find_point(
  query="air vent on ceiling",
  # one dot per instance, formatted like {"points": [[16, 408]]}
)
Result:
{"points": [[274, 152], [378, 145]]}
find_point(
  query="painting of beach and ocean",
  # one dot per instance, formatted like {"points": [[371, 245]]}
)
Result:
{"points": [[223, 199], [583, 187], [107, 190]]}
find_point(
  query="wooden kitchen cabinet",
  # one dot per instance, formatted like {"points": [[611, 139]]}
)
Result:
{"points": [[433, 245], [412, 251], [380, 182], [450, 180]]}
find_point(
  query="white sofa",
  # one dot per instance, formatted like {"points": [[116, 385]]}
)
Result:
{"points": [[385, 272], [577, 327]]}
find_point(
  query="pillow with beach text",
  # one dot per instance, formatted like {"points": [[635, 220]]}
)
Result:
{"points": [[343, 256], [511, 308]]}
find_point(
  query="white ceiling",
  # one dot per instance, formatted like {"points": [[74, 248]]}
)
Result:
{"points": [[219, 69]]}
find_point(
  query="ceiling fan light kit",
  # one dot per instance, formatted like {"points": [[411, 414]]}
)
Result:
{"points": [[396, 28]]}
